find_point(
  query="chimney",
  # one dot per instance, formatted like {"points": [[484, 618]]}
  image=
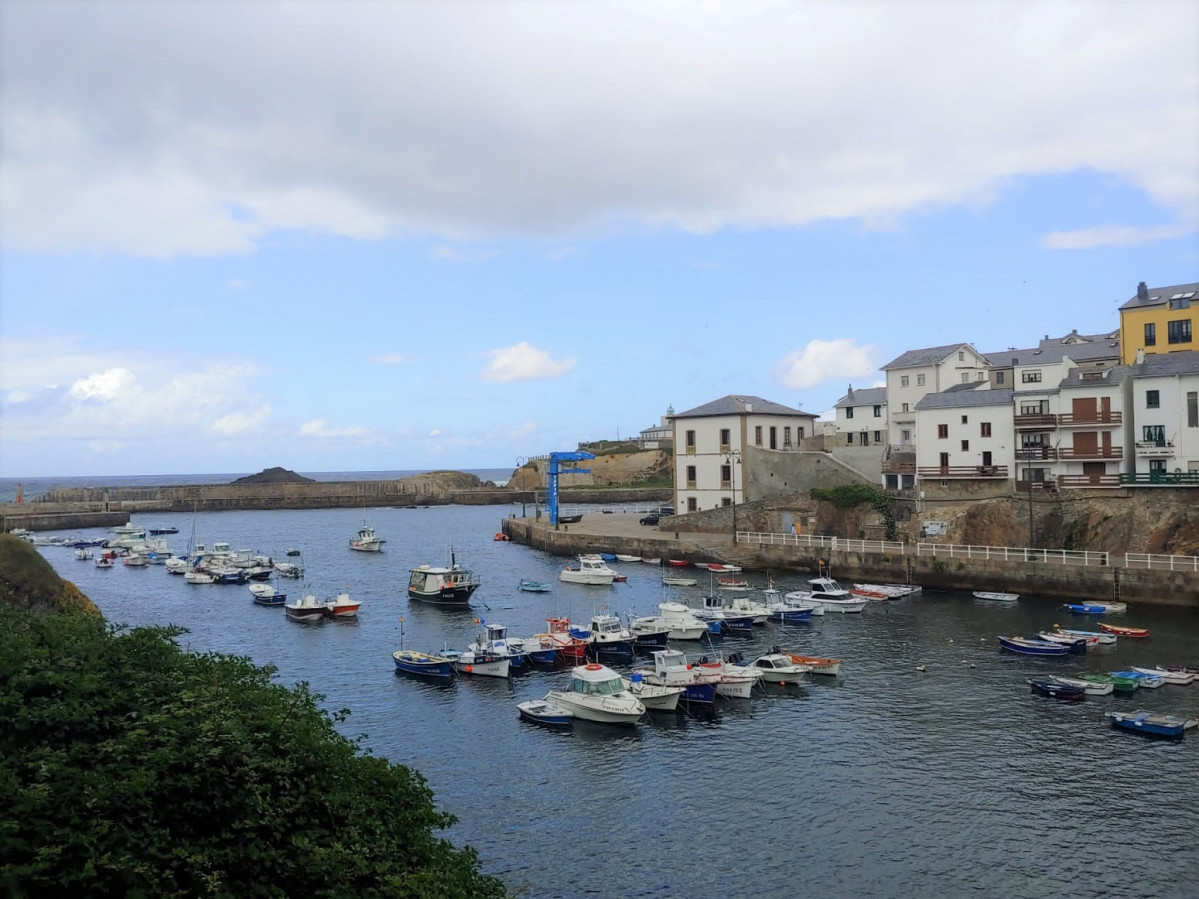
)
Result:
{"points": [[749, 407], [851, 391], [1142, 291], [1140, 353]]}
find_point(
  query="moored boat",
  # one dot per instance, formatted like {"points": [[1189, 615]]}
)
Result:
{"points": [[531, 586], [996, 596], [1056, 690], [830, 667], [341, 606], [1030, 647], [1085, 608], [1152, 724], [423, 664], [266, 595], [597, 693], [450, 586], [1178, 678], [672, 669], [778, 667], [367, 540], [591, 569], [655, 697], [1090, 687], [545, 713], [1120, 683], [1103, 638], [669, 580], [1068, 640], [561, 637], [1121, 631], [1143, 678], [305, 610]]}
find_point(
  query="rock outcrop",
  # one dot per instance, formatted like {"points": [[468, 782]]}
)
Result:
{"points": [[275, 475], [640, 469]]}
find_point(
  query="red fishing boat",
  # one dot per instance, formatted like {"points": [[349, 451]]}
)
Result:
{"points": [[1120, 631]]}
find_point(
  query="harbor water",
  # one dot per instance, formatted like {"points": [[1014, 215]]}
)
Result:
{"points": [[927, 768]]}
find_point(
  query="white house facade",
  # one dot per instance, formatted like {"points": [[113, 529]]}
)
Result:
{"points": [[1163, 396], [965, 434], [861, 416]]}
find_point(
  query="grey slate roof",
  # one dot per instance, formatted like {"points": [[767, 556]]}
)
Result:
{"points": [[1159, 296], [870, 396], [1156, 365], [928, 356], [1052, 351], [958, 397], [735, 405]]}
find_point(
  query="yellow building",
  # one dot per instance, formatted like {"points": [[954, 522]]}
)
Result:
{"points": [[1159, 320]]}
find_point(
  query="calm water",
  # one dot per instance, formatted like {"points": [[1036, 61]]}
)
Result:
{"points": [[889, 782]]}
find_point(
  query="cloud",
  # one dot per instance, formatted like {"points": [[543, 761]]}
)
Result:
{"points": [[524, 362], [1112, 236], [316, 428], [241, 422], [168, 129], [238, 284], [823, 360], [390, 359]]}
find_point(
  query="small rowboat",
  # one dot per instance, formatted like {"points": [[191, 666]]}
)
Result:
{"points": [[678, 563], [725, 569], [531, 586], [671, 581], [831, 667], [1121, 631], [1086, 608], [1152, 724], [996, 597], [547, 714], [1054, 689], [1090, 687], [1069, 640], [1030, 647], [1099, 636], [1119, 683], [731, 583], [1181, 678]]}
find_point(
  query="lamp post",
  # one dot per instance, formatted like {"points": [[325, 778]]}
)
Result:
{"points": [[732, 460]]}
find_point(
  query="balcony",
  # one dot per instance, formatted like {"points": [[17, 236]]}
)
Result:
{"points": [[1098, 454], [1155, 449], [900, 459], [962, 472], [1162, 479], [1088, 480], [1028, 486], [1070, 420], [1035, 421], [1036, 453]]}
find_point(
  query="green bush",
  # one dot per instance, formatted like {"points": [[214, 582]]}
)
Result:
{"points": [[131, 767]]}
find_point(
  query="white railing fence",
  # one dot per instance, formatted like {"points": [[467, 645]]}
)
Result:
{"points": [[1159, 562]]}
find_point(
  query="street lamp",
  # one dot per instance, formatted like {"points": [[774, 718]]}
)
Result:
{"points": [[732, 460]]}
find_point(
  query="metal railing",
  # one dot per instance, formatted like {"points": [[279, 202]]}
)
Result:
{"points": [[962, 471], [1162, 479], [1159, 562], [882, 547]]}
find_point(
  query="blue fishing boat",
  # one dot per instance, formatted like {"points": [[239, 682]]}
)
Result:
{"points": [[1152, 724], [422, 664], [547, 714], [1086, 608], [1056, 689], [1029, 647], [530, 586]]}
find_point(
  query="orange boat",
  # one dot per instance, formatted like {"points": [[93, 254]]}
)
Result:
{"points": [[1121, 631], [818, 666]]}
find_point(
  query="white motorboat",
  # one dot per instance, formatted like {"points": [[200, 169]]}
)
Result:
{"points": [[994, 596], [592, 569], [341, 606], [367, 540], [597, 693], [1056, 636], [1179, 678], [306, 610], [198, 577], [84, 553], [778, 667], [655, 697], [731, 679], [675, 618], [743, 605], [715, 610], [670, 580], [671, 669], [622, 557], [1100, 637], [829, 596], [493, 643], [608, 638], [480, 663], [267, 595], [1111, 608]]}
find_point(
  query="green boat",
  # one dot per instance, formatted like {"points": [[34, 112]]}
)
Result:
{"points": [[1120, 684]]}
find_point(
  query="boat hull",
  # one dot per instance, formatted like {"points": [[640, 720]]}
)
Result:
{"points": [[545, 714], [1055, 690], [600, 712], [1148, 724], [419, 664], [456, 598]]}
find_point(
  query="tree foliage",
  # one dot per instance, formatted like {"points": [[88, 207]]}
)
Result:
{"points": [[131, 767], [849, 496]]}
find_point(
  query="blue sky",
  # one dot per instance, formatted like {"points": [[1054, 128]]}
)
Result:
{"points": [[379, 236]]}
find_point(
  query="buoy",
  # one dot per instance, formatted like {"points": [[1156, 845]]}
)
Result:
{"points": [[594, 667], [470, 668], [919, 667], [782, 683]]}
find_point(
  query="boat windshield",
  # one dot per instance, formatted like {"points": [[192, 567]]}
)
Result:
{"points": [[599, 688]]}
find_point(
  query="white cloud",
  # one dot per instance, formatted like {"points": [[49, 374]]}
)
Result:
{"points": [[1112, 236], [105, 386], [134, 128], [524, 362], [823, 360], [316, 428], [241, 422]]}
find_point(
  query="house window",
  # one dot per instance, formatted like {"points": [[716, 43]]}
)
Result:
{"points": [[1157, 466], [878, 436], [965, 421], [999, 377], [903, 380], [787, 435], [965, 377], [984, 429], [689, 442], [905, 436], [965, 446], [724, 440], [943, 431], [919, 380], [1030, 377], [1150, 334], [849, 411], [961, 355], [757, 435], [1154, 434], [726, 476], [1152, 399], [849, 438], [878, 411], [865, 438], [980, 376], [905, 407], [774, 439], [692, 506], [1179, 303], [691, 476], [799, 433], [1192, 409], [944, 460], [1179, 331], [725, 501]]}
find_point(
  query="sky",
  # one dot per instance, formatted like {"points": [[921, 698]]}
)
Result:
{"points": [[367, 236]]}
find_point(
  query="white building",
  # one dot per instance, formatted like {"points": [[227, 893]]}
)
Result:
{"points": [[659, 435], [1163, 399], [862, 416], [966, 434], [915, 374], [709, 441]]}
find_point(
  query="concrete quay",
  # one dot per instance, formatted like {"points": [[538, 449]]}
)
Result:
{"points": [[792, 565]]}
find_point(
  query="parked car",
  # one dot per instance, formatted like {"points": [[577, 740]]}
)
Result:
{"points": [[651, 518], [665, 510]]}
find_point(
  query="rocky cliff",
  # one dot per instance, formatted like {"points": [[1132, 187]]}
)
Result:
{"points": [[27, 581], [644, 468]]}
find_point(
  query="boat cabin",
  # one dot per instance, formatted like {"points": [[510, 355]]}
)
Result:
{"points": [[595, 680], [606, 626]]}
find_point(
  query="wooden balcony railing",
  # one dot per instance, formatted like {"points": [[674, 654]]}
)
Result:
{"points": [[1088, 480], [960, 472], [1070, 420], [1035, 453], [1026, 486], [1099, 453], [1154, 449], [896, 466], [1036, 420]]}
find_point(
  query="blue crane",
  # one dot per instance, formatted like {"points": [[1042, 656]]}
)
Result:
{"points": [[555, 458]]}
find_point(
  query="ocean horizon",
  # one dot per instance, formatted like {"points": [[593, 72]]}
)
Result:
{"points": [[31, 488]]}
